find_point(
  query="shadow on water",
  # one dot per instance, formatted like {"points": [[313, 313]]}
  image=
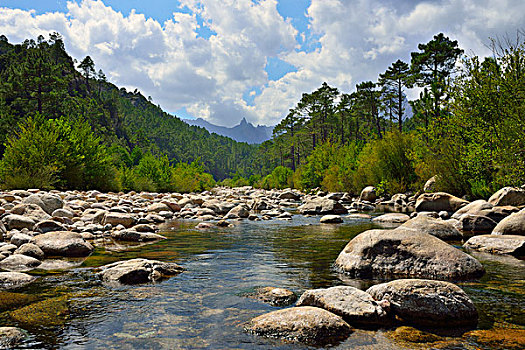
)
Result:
{"points": [[204, 307]]}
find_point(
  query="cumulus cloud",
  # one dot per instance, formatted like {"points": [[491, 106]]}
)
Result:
{"points": [[208, 76]]}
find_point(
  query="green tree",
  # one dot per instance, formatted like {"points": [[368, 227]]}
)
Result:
{"points": [[396, 78], [88, 68]]}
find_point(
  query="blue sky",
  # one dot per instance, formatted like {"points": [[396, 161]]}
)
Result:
{"points": [[225, 60]]}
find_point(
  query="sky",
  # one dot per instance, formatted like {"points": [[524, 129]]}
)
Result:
{"points": [[229, 59]]}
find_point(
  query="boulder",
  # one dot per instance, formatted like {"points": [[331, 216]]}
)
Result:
{"points": [[10, 337], [508, 196], [306, 324], [368, 194], [30, 249], [496, 244], [274, 296], [353, 305], [63, 243], [48, 202], [63, 213], [48, 226], [131, 235], [331, 219], [430, 185], [137, 271], [20, 238], [439, 201], [513, 224], [391, 219], [14, 279], [115, 219], [475, 223], [439, 228], [240, 211], [18, 222], [3, 229], [322, 206], [405, 253], [289, 195], [19, 262], [158, 207], [427, 302]]}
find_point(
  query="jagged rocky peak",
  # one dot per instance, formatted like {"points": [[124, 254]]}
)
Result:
{"points": [[243, 132]]}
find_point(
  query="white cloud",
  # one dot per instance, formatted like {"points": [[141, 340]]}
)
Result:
{"points": [[209, 76]]}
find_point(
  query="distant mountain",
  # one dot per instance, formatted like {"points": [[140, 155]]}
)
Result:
{"points": [[244, 132]]}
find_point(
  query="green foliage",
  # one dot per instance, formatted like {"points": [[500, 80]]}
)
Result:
{"points": [[280, 178]]}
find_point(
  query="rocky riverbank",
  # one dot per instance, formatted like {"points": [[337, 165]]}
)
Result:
{"points": [[43, 230]]}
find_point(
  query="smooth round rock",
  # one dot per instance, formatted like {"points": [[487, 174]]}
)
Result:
{"points": [[354, 305], [513, 224], [427, 302], [138, 270], [439, 228], [19, 262], [14, 279], [498, 244], [331, 219], [63, 243], [306, 324], [405, 253]]}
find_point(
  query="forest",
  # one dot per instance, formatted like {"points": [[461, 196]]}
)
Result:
{"points": [[63, 125]]}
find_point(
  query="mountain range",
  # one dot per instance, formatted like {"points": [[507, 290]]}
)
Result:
{"points": [[244, 132]]}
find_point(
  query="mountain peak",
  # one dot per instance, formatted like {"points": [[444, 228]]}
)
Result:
{"points": [[243, 121]]}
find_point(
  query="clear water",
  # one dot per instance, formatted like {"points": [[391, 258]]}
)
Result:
{"points": [[205, 307]]}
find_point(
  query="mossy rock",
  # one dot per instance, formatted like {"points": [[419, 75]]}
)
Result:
{"points": [[9, 301], [412, 335], [499, 338], [46, 313]]}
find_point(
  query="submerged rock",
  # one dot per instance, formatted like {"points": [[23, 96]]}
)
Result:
{"points": [[14, 279], [137, 271], [49, 313], [412, 335], [135, 236], [496, 244], [274, 296], [353, 305], [304, 324], [427, 302], [405, 253]]}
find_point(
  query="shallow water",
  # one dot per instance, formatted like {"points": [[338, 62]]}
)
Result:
{"points": [[205, 307]]}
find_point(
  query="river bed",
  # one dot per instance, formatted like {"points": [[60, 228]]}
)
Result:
{"points": [[206, 306]]}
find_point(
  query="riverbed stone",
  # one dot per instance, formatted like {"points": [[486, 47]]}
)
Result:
{"points": [[289, 195], [49, 313], [354, 305], [19, 262], [391, 219], [63, 213], [475, 223], [427, 302], [138, 270], [368, 194], [13, 279], [131, 235], [30, 249], [513, 224], [48, 226], [116, 219], [274, 296], [439, 201], [508, 196], [11, 337], [331, 219], [63, 243], [442, 229], [305, 324], [18, 222], [498, 244], [158, 207], [20, 238], [322, 206], [405, 253]]}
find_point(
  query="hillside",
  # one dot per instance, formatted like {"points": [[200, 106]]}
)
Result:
{"points": [[39, 77], [244, 132]]}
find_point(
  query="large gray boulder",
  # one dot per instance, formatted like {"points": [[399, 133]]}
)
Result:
{"points": [[306, 324], [353, 305], [513, 224], [439, 228], [439, 201], [475, 223], [48, 202], [30, 249], [322, 206], [427, 302], [14, 279], [63, 243], [405, 253], [496, 244], [32, 211], [508, 196], [137, 271], [240, 211], [289, 195], [484, 208]]}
